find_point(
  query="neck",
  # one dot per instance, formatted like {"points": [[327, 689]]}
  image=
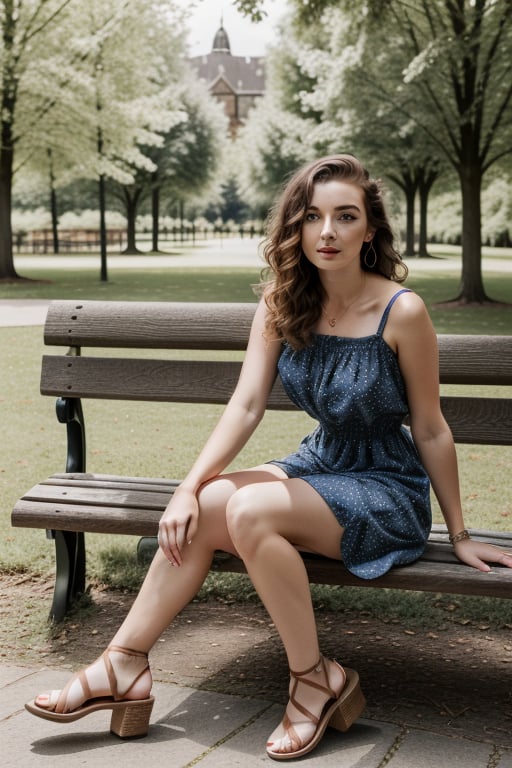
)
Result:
{"points": [[338, 303], [339, 294]]}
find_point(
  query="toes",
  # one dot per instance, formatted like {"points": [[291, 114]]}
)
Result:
{"points": [[46, 700]]}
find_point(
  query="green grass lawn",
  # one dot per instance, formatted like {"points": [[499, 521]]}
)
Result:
{"points": [[162, 439], [206, 284]]}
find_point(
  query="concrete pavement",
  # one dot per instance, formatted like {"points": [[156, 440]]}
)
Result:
{"points": [[190, 727]]}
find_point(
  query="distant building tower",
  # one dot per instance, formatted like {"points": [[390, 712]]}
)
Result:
{"points": [[236, 81]]}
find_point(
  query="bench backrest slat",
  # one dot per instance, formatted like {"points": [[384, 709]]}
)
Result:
{"points": [[134, 325], [472, 419], [470, 359]]}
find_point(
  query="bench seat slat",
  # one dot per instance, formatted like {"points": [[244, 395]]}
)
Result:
{"points": [[432, 574], [85, 502], [87, 519], [421, 576], [99, 495]]}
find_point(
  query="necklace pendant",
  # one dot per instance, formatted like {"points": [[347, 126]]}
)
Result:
{"points": [[332, 322]]}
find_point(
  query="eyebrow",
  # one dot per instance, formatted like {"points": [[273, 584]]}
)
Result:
{"points": [[337, 208]]}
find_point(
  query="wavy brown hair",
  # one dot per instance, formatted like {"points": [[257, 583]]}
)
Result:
{"points": [[293, 291]]}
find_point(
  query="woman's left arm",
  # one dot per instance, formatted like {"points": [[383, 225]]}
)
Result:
{"points": [[410, 332]]}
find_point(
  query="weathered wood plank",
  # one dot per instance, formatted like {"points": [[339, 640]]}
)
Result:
{"points": [[468, 359], [472, 419], [421, 576], [479, 420], [149, 325], [85, 502], [427, 574], [464, 359], [99, 495], [85, 518]]}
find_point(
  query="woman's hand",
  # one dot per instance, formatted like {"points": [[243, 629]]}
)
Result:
{"points": [[178, 525], [478, 554]]}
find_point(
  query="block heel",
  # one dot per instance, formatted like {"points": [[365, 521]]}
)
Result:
{"points": [[130, 719], [341, 709], [351, 705], [130, 716]]}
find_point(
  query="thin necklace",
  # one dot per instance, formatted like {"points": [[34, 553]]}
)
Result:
{"points": [[333, 320]]}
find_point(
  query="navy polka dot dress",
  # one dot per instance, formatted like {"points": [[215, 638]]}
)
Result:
{"points": [[360, 458]]}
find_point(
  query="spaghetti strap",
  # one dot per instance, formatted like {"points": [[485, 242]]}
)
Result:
{"points": [[384, 318]]}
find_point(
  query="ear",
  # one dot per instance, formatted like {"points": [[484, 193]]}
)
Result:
{"points": [[369, 236]]}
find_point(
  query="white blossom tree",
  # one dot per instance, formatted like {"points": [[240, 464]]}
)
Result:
{"points": [[73, 92]]}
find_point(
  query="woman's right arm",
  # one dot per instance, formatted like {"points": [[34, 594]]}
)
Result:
{"points": [[239, 419]]}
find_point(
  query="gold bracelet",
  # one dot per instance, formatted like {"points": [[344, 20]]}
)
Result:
{"points": [[459, 536]]}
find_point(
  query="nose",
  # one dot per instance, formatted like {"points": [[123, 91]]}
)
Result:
{"points": [[328, 229]]}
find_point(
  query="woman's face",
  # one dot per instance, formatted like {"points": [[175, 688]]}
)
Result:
{"points": [[335, 225]]}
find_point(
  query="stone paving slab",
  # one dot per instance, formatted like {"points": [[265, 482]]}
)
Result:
{"points": [[364, 746], [192, 727], [421, 749]]}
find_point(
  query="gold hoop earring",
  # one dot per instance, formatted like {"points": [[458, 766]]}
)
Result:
{"points": [[365, 258]]}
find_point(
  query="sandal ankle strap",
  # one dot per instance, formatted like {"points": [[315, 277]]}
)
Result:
{"points": [[316, 667], [127, 651]]}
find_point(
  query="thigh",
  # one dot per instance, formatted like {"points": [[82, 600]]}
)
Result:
{"points": [[293, 509], [214, 495]]}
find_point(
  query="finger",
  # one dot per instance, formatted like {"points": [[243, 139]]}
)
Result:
{"points": [[165, 541], [505, 559]]}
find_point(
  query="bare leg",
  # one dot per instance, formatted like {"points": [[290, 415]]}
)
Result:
{"points": [[165, 592], [267, 524]]}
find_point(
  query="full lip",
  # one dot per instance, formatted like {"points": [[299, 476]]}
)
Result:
{"points": [[327, 249]]}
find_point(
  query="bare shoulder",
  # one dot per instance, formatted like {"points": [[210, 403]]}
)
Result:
{"points": [[409, 321], [409, 308]]}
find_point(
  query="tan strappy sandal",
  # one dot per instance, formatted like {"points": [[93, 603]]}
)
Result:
{"points": [[130, 717], [340, 711]]}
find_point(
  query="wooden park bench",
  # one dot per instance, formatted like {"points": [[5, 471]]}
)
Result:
{"points": [[73, 502]]}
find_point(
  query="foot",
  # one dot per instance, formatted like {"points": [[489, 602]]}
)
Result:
{"points": [[310, 692], [118, 674]]}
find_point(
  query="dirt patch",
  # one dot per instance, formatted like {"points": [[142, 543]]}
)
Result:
{"points": [[456, 680]]}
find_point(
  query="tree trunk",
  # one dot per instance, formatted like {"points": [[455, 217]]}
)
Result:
{"points": [[7, 271], [103, 230], [155, 214], [471, 285], [410, 196], [131, 204], [55, 219], [425, 183], [53, 203], [422, 237]]}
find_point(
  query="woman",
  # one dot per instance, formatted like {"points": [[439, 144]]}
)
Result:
{"points": [[357, 353]]}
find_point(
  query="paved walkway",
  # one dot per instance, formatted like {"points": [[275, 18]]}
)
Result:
{"points": [[200, 728], [191, 727]]}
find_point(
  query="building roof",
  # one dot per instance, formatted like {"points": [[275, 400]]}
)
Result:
{"points": [[243, 74]]}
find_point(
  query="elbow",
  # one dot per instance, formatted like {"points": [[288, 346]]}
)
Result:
{"points": [[425, 431]]}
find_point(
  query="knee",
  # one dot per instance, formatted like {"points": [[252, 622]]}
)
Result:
{"points": [[244, 517]]}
